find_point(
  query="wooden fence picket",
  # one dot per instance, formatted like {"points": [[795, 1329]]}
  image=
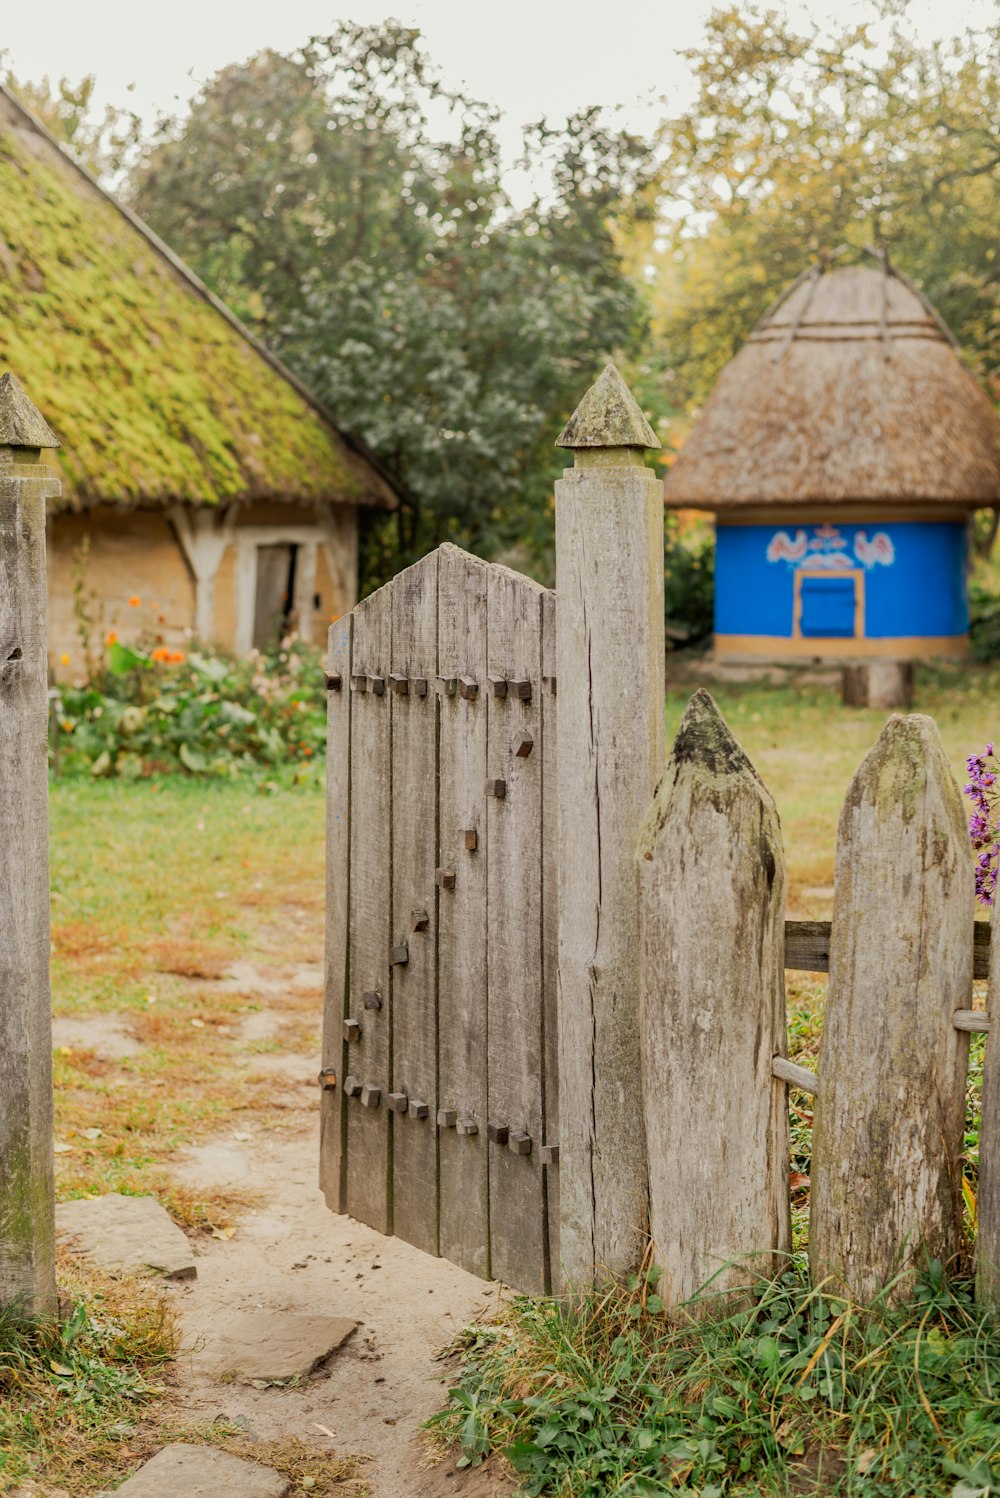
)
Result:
{"points": [[887, 1141], [712, 1012], [550, 928], [513, 797], [333, 1160], [369, 1055], [461, 896], [413, 708]]}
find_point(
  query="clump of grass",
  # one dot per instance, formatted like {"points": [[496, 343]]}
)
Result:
{"points": [[794, 1389], [310, 1468], [75, 1391]]}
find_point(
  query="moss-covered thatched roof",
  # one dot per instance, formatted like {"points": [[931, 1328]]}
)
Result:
{"points": [[155, 391]]}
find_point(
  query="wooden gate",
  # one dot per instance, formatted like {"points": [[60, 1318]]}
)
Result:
{"points": [[440, 1046]]}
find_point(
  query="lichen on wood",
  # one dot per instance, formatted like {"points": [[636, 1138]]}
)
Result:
{"points": [[712, 1013], [887, 1143]]}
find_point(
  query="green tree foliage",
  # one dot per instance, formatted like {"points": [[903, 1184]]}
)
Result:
{"points": [[799, 143], [101, 141], [350, 207]]}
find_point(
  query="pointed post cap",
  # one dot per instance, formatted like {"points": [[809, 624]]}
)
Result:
{"points": [[21, 422], [608, 416]]}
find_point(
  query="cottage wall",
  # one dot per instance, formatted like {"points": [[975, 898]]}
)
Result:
{"points": [[137, 554], [133, 554], [879, 587]]}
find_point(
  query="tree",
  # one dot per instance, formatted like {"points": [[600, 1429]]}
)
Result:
{"points": [[799, 143], [101, 141], [383, 260]]}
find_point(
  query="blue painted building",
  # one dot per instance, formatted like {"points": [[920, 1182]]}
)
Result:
{"points": [[843, 451]]}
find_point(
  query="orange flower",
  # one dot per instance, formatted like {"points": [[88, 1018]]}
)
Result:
{"points": [[112, 637], [161, 653], [134, 601], [64, 659], [307, 751], [177, 657]]}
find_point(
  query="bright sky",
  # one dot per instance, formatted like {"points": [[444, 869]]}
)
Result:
{"points": [[530, 57]]}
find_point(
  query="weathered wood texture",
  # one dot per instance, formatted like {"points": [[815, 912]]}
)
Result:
{"points": [[369, 1057], [712, 1013], [413, 707], [336, 1007], [890, 1108], [610, 654], [516, 1027], [550, 924], [988, 1203], [27, 1268], [462, 933], [441, 917], [807, 947]]}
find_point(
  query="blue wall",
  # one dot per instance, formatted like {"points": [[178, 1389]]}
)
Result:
{"points": [[914, 578]]}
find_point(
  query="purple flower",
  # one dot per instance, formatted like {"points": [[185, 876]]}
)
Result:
{"points": [[984, 822]]}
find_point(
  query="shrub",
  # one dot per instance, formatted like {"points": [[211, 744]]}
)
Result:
{"points": [[984, 623], [688, 583], [157, 711]]}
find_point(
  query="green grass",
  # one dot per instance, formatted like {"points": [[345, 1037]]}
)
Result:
{"points": [[794, 1390], [75, 1393], [156, 889]]}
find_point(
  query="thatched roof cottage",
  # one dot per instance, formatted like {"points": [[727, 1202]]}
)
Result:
{"points": [[843, 450], [211, 483]]}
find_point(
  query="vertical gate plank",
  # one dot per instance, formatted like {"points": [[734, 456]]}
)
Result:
{"points": [[550, 925], [414, 848], [712, 1011], [369, 1057], [890, 1110], [988, 1205], [333, 1101], [462, 1014], [515, 1029]]}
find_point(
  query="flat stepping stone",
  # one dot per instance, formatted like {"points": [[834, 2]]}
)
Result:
{"points": [[202, 1470], [270, 1346], [126, 1235]]}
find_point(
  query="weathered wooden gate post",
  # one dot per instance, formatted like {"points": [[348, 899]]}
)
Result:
{"points": [[610, 671], [890, 1108], [27, 1266], [712, 1012]]}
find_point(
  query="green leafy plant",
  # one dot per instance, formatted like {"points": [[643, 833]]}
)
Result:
{"points": [[90, 1375], [984, 623], [157, 711], [688, 582], [792, 1388]]}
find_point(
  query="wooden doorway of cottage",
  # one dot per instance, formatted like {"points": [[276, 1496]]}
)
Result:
{"points": [[274, 597]]}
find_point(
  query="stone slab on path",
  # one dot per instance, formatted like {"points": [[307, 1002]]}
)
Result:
{"points": [[182, 1471], [270, 1346], [126, 1235]]}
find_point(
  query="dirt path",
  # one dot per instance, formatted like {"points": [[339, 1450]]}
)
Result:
{"points": [[292, 1254]]}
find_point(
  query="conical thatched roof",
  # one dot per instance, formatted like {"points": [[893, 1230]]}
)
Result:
{"points": [[849, 389]]}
